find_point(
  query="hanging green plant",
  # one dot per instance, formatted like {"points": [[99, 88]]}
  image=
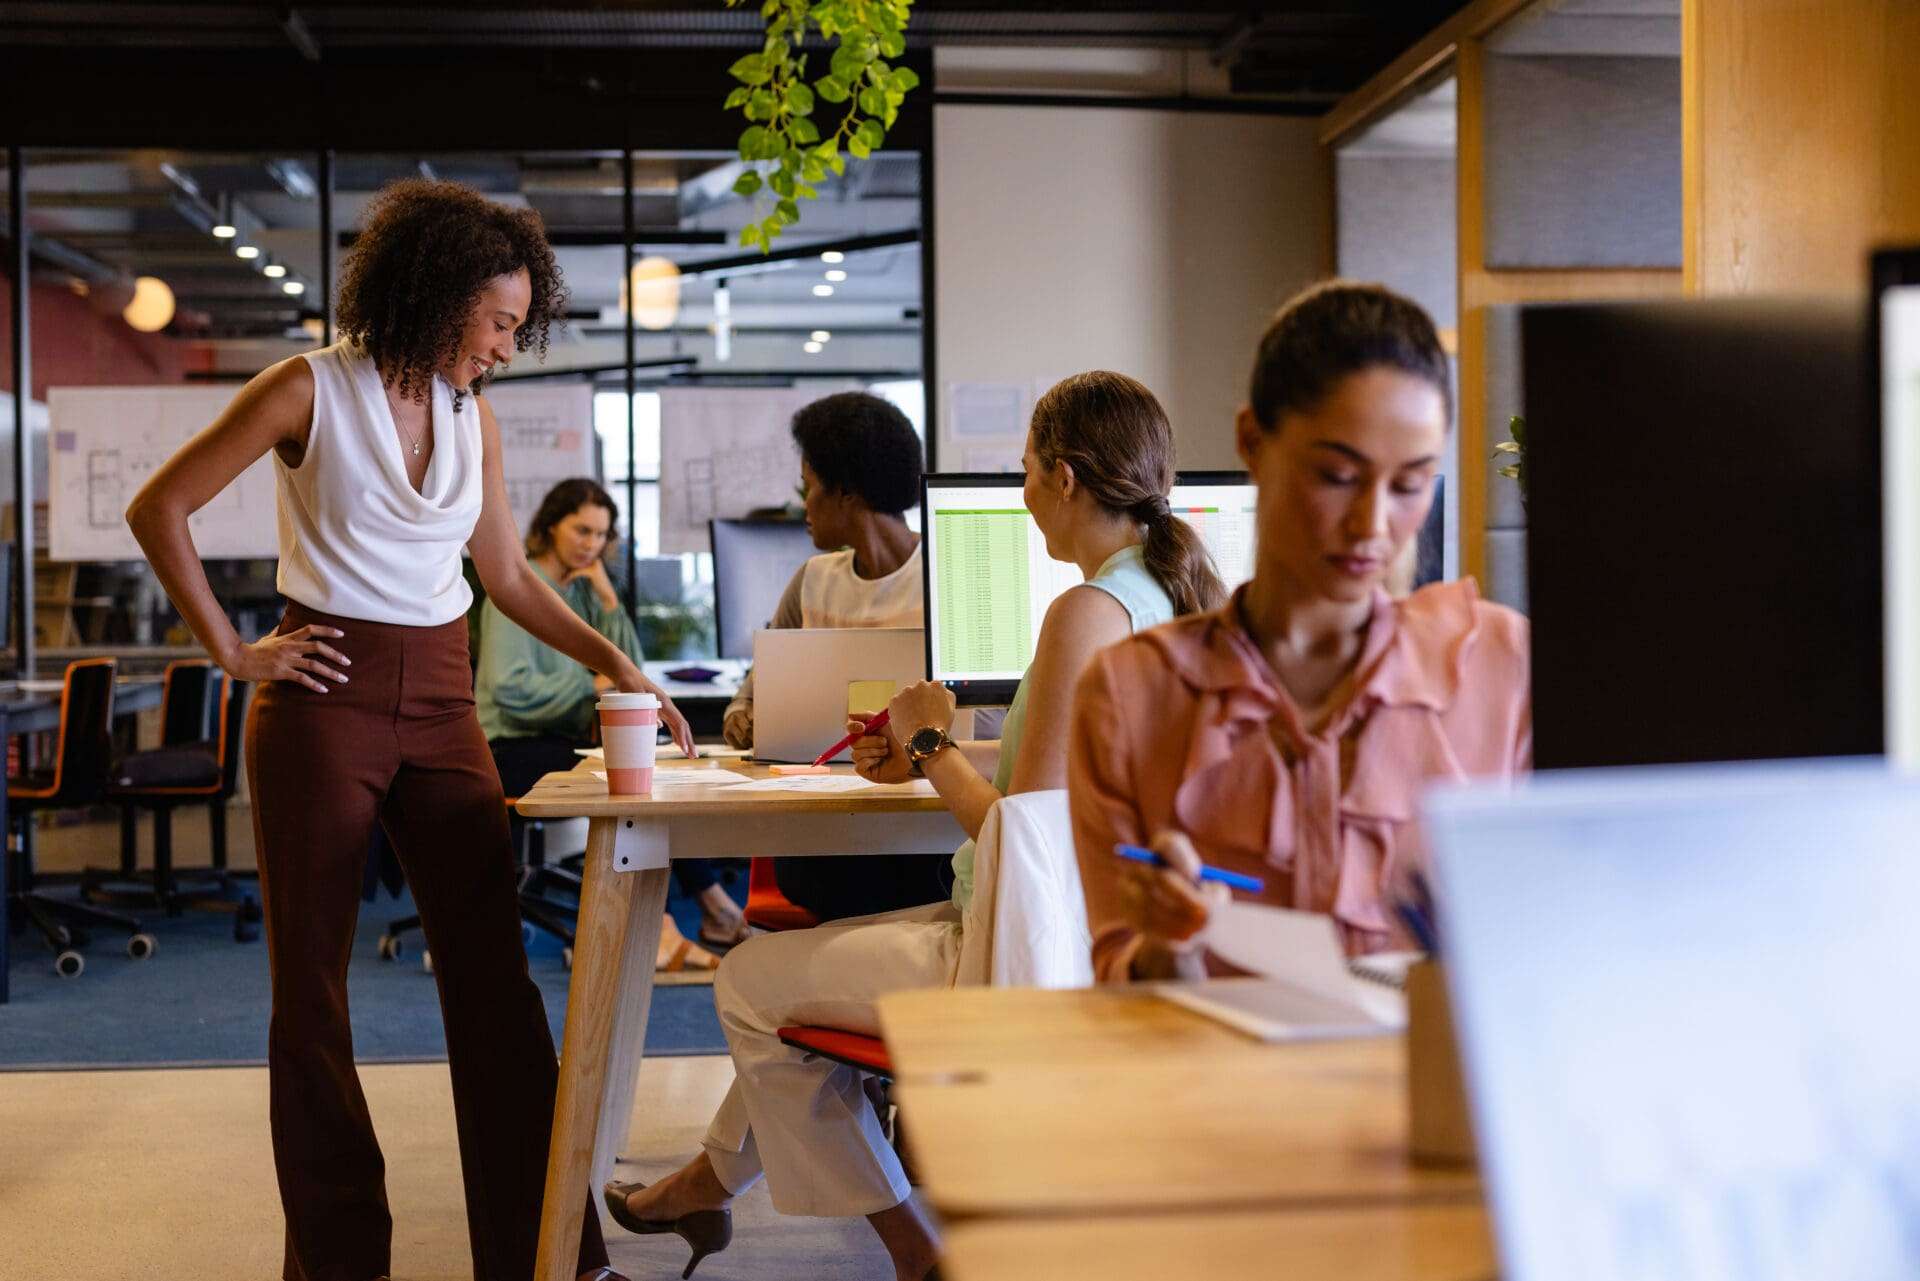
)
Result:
{"points": [[783, 142]]}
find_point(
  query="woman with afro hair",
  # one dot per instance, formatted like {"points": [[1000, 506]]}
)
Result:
{"points": [[387, 463]]}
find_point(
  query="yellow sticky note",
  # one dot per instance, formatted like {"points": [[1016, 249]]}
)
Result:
{"points": [[866, 697]]}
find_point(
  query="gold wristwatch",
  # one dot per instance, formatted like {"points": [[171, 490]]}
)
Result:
{"points": [[926, 744]]}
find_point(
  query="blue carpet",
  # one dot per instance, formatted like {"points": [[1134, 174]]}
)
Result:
{"points": [[203, 999]]}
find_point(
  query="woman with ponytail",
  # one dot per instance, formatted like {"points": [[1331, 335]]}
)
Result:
{"points": [[1099, 464], [1289, 734]]}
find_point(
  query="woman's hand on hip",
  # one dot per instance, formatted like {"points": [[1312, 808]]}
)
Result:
{"points": [[634, 681], [878, 757], [299, 656]]}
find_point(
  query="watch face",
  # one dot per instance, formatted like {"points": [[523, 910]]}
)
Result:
{"points": [[925, 742]]}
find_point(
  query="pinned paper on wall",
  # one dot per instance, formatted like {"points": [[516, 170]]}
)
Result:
{"points": [[998, 456], [725, 452], [546, 436], [989, 409]]}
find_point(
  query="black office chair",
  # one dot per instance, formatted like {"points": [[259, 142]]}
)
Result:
{"points": [[82, 757], [197, 764]]}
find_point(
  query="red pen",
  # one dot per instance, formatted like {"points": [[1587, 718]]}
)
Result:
{"points": [[872, 722]]}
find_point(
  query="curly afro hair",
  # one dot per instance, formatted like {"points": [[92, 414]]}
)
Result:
{"points": [[859, 444], [416, 270]]}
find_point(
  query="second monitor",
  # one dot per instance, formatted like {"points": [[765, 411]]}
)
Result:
{"points": [[989, 579]]}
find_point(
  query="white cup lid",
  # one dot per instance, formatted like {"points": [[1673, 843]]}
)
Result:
{"points": [[616, 701]]}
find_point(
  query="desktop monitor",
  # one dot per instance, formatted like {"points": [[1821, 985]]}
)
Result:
{"points": [[989, 579], [753, 561], [1703, 536], [1895, 349]]}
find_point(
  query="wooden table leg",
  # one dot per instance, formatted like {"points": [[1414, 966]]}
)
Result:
{"points": [[629, 1021], [593, 1004]]}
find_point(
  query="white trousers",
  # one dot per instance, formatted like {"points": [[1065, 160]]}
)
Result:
{"points": [[804, 1121]]}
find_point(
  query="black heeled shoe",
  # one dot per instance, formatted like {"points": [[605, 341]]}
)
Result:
{"points": [[705, 1231]]}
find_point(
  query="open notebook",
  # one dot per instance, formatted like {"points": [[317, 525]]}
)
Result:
{"points": [[1303, 986]]}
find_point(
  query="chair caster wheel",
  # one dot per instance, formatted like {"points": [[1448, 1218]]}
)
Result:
{"points": [[426, 962], [389, 948], [566, 957], [69, 964], [141, 946]]}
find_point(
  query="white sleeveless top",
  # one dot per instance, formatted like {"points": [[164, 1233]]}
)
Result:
{"points": [[355, 539], [832, 595]]}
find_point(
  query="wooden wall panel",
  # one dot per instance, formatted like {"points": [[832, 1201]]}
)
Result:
{"points": [[1803, 141]]}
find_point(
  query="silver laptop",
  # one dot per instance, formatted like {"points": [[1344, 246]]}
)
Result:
{"points": [[806, 681], [1687, 1007]]}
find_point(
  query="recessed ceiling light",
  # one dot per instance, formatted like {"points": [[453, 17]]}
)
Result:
{"points": [[819, 335], [823, 291], [811, 348], [247, 252], [294, 287], [836, 275], [833, 255], [224, 232], [274, 271]]}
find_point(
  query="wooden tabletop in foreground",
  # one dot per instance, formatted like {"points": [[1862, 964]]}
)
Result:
{"points": [[1024, 1102], [1361, 1243], [578, 794]]}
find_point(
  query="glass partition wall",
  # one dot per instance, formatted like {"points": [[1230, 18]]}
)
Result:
{"points": [[183, 273]]}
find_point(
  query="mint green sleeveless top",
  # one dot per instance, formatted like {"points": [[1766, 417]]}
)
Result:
{"points": [[1125, 578]]}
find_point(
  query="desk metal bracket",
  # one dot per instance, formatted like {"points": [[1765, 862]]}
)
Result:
{"points": [[637, 846]]}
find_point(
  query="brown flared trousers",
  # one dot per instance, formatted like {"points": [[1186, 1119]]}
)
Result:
{"points": [[397, 745]]}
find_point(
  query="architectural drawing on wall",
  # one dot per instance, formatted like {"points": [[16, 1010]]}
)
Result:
{"points": [[725, 452], [546, 436], [105, 443]]}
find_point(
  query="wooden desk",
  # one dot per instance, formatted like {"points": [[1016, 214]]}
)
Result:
{"points": [[1023, 1102], [1414, 1243], [629, 843]]}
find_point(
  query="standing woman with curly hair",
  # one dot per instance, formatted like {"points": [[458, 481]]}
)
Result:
{"points": [[387, 462]]}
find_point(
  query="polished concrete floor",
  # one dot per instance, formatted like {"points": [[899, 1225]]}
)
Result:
{"points": [[118, 1176]]}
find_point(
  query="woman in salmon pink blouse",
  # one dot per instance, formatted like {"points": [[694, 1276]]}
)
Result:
{"points": [[1289, 734]]}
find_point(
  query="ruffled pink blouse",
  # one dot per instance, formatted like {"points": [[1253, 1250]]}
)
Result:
{"points": [[1176, 728]]}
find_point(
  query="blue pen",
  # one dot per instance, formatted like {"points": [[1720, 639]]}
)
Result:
{"points": [[1420, 925], [1251, 884]]}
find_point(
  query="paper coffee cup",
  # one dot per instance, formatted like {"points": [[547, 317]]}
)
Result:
{"points": [[629, 728]]}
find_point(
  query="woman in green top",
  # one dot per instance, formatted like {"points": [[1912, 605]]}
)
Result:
{"points": [[536, 705], [1099, 465]]}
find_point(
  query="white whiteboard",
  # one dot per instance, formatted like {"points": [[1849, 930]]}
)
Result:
{"points": [[106, 441], [725, 451]]}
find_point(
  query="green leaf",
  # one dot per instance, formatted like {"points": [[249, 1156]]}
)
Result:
{"points": [[760, 105], [858, 146], [813, 169], [832, 89], [752, 69], [1511, 471], [805, 192], [872, 101], [905, 80], [758, 143], [737, 97], [788, 210], [847, 64], [789, 160], [751, 235], [838, 164], [804, 130], [746, 184], [781, 182], [893, 44], [799, 99], [872, 134], [767, 10], [1506, 447]]}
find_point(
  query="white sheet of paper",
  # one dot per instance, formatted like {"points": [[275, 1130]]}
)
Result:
{"points": [[670, 778], [1301, 952], [809, 783]]}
